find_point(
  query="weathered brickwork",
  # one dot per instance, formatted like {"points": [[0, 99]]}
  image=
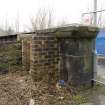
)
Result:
{"points": [[10, 56], [63, 53], [26, 48], [44, 62], [26, 54], [76, 62]]}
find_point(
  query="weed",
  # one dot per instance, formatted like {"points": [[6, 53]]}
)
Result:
{"points": [[79, 99]]}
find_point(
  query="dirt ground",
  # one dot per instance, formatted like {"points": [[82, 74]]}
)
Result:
{"points": [[13, 90], [18, 89]]}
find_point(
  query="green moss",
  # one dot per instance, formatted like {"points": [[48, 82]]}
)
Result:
{"points": [[79, 99], [97, 87]]}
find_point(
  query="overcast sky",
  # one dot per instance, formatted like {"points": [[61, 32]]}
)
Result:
{"points": [[69, 10]]}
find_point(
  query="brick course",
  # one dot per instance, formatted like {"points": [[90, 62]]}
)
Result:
{"points": [[45, 54]]}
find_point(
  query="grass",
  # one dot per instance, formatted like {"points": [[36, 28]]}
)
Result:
{"points": [[84, 96], [79, 99]]}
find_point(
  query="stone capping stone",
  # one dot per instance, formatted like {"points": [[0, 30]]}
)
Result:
{"points": [[72, 31]]}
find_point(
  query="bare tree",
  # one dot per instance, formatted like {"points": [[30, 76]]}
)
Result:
{"points": [[45, 19], [42, 20], [8, 29], [17, 23]]}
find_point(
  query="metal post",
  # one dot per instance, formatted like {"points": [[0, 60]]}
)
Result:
{"points": [[95, 12], [94, 53]]}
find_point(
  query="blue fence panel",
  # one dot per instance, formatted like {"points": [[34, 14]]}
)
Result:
{"points": [[100, 43]]}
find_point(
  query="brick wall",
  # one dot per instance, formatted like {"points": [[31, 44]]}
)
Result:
{"points": [[10, 56], [63, 53], [44, 58], [26, 54], [26, 48], [76, 63]]}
